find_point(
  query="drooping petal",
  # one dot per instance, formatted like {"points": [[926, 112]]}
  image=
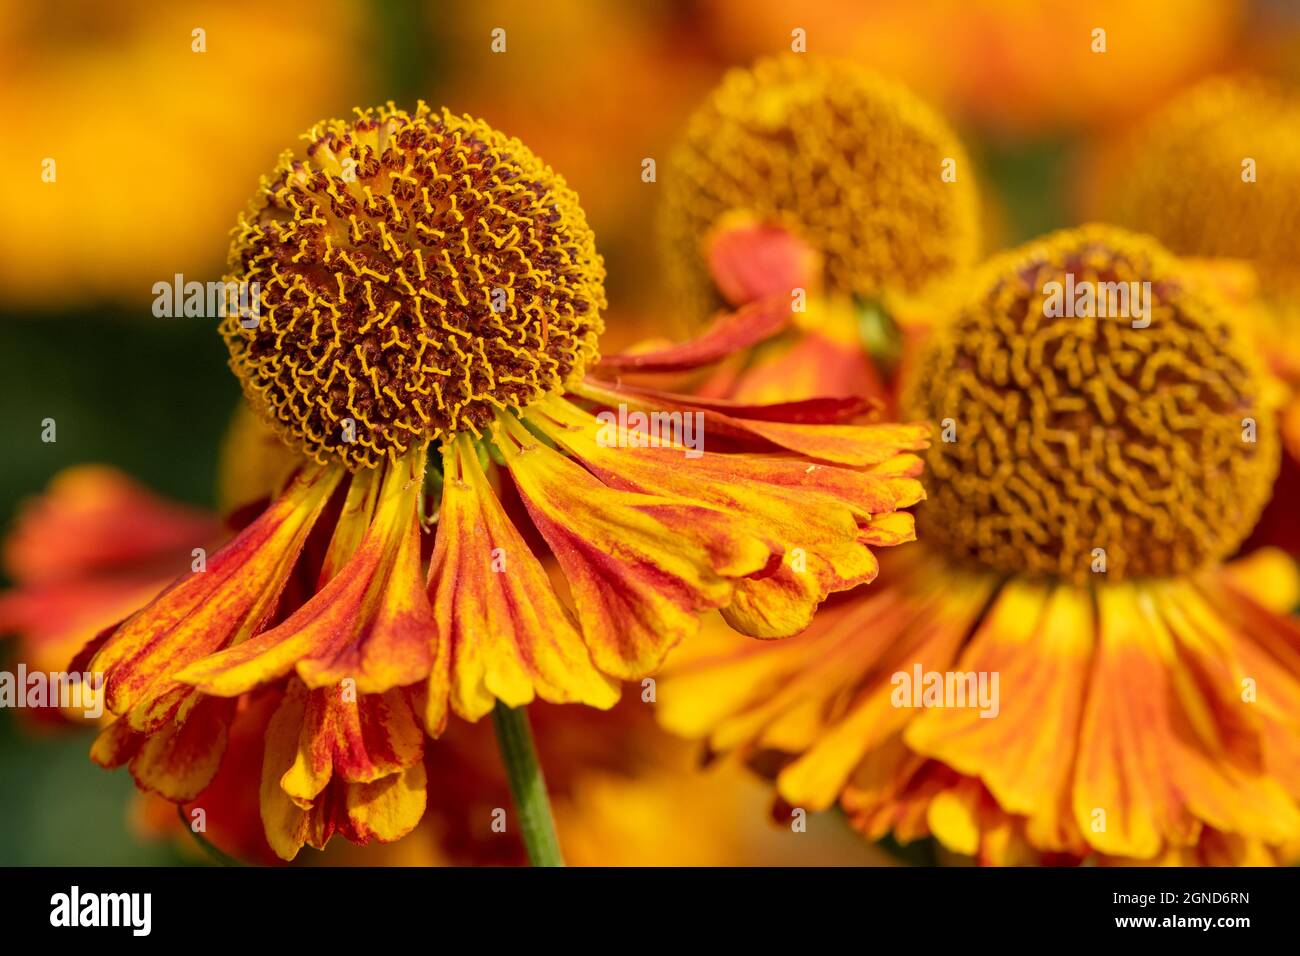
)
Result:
{"points": [[640, 567], [750, 260], [858, 445], [815, 512], [314, 733], [371, 622], [179, 758], [210, 609], [1039, 644], [508, 635], [359, 739]]}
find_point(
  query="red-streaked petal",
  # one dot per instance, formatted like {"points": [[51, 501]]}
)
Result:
{"points": [[371, 623], [751, 260], [814, 512], [640, 567], [729, 332], [858, 445], [359, 739], [211, 609], [508, 634]]}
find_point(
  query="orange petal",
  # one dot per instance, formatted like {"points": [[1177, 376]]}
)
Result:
{"points": [[815, 512], [1039, 643], [94, 518], [385, 808], [858, 445], [359, 739], [751, 260], [730, 332], [371, 622], [179, 760], [508, 634], [212, 609], [640, 567]]}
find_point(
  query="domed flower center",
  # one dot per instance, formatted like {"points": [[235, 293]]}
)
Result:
{"points": [[1096, 414], [416, 273], [854, 165]]}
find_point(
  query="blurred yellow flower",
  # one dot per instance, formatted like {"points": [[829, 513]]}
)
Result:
{"points": [[125, 149]]}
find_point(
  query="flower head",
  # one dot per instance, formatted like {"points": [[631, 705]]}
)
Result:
{"points": [[1062, 668], [418, 273], [847, 162], [1216, 172], [1081, 431]]}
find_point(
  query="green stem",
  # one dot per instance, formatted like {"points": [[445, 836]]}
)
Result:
{"points": [[527, 785], [218, 856]]}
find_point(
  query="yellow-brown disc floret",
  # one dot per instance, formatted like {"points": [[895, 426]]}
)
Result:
{"points": [[1079, 438], [417, 272], [853, 164]]}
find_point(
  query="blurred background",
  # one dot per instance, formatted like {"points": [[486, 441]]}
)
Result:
{"points": [[157, 147]]}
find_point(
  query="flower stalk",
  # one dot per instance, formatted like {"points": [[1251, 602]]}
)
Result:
{"points": [[527, 785]]}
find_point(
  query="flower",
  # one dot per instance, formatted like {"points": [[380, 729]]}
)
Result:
{"points": [[850, 164], [92, 548], [819, 204], [1093, 479], [1216, 173], [429, 300]]}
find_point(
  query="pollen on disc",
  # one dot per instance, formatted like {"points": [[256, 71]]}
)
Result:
{"points": [[417, 272]]}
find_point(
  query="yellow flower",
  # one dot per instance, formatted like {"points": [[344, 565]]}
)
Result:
{"points": [[1063, 667], [868, 177], [149, 142], [428, 301], [1216, 173]]}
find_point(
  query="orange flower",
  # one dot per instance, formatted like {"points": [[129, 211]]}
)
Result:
{"points": [[1064, 668], [430, 299], [90, 550], [819, 201], [1216, 172]]}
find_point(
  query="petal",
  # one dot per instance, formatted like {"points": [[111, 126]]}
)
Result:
{"points": [[923, 633], [858, 445], [730, 332], [179, 760], [508, 634], [1038, 642], [284, 821], [94, 518], [750, 260], [371, 622], [1124, 802], [640, 567], [815, 512], [212, 609], [358, 739], [387, 809]]}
